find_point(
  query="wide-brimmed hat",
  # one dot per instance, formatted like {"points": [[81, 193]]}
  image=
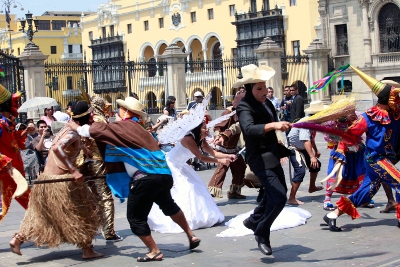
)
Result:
{"points": [[253, 74], [132, 104], [315, 106]]}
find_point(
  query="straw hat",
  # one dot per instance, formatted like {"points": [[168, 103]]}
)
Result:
{"points": [[253, 74], [315, 106], [132, 104]]}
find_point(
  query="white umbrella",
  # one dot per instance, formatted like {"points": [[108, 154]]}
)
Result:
{"points": [[37, 103]]}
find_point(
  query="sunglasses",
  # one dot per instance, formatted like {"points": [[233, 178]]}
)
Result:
{"points": [[293, 90], [173, 102]]}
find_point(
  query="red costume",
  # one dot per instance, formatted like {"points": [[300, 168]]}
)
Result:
{"points": [[11, 142]]}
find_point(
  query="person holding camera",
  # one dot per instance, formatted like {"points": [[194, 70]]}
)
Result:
{"points": [[42, 142]]}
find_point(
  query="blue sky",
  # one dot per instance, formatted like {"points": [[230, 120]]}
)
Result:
{"points": [[38, 7]]}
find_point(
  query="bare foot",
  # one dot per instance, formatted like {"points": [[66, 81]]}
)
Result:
{"points": [[15, 246], [315, 189], [295, 202], [89, 253], [389, 207]]}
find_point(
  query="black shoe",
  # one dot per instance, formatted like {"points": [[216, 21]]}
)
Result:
{"points": [[265, 249], [260, 194], [398, 224], [332, 224], [249, 225]]}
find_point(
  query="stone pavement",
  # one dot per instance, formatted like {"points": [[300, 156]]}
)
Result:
{"points": [[371, 240]]}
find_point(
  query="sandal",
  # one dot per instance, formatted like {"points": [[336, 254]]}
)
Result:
{"points": [[193, 244], [146, 258]]}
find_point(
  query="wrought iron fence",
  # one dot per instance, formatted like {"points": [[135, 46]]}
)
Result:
{"points": [[11, 73], [65, 80], [216, 76]]}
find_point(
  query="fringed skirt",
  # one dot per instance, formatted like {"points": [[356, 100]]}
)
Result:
{"points": [[63, 212]]}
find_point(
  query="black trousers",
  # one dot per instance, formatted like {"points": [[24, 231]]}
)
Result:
{"points": [[273, 201], [155, 188]]}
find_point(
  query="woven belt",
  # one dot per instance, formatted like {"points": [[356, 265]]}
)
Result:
{"points": [[138, 174], [226, 150]]}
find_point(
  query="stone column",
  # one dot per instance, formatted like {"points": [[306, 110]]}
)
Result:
{"points": [[32, 59], [318, 67], [269, 54], [176, 77], [366, 35]]}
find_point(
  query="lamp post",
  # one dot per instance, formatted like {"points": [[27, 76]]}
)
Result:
{"points": [[29, 31], [52, 84], [5, 6]]}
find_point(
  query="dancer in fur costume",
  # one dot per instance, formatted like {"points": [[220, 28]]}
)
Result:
{"points": [[93, 164], [62, 212], [12, 182]]}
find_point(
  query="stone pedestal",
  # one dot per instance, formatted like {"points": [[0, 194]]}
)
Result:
{"points": [[269, 54], [176, 77], [32, 59], [318, 67]]}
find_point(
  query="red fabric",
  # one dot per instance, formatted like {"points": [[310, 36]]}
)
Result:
{"points": [[11, 142], [398, 211], [4, 160], [344, 204]]}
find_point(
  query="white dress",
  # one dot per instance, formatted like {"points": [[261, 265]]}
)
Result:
{"points": [[288, 218], [191, 195]]}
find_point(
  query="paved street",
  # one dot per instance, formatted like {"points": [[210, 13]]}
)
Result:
{"points": [[369, 241]]}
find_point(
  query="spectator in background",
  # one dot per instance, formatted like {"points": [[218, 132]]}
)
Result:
{"points": [[273, 99], [60, 116], [28, 154], [286, 104], [169, 109], [43, 141], [48, 117], [297, 108], [198, 98]]}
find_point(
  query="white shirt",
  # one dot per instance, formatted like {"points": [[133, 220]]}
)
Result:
{"points": [[61, 116]]}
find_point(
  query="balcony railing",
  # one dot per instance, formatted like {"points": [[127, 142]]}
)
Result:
{"points": [[72, 56], [386, 59]]}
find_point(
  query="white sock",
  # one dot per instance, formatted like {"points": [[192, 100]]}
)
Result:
{"points": [[332, 215]]}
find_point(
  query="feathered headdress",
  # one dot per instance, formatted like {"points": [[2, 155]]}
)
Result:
{"points": [[175, 131], [212, 123]]}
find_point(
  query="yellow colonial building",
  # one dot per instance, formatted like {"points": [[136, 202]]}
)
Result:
{"points": [[207, 31]]}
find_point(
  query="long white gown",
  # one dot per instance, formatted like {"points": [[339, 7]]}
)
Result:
{"points": [[191, 195]]}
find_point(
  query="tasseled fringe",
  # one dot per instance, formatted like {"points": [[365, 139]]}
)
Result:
{"points": [[345, 205], [215, 191], [233, 188]]}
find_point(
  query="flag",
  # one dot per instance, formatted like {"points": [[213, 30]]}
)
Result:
{"points": [[8, 18]]}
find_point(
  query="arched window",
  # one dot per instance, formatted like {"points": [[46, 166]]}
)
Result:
{"points": [[152, 67], [151, 100], [389, 28], [217, 56]]}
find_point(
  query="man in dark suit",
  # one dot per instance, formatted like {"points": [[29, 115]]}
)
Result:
{"points": [[297, 107], [257, 119]]}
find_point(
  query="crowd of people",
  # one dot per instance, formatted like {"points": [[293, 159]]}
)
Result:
{"points": [[78, 168]]}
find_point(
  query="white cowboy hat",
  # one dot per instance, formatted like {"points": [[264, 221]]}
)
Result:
{"points": [[253, 74], [315, 106], [132, 104]]}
